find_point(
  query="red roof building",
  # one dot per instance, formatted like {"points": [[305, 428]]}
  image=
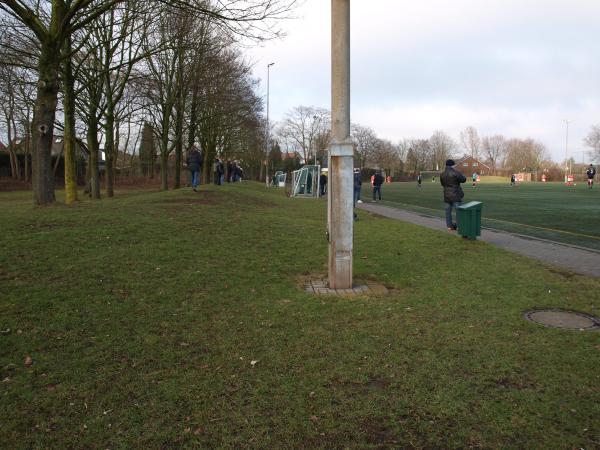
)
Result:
{"points": [[468, 164]]}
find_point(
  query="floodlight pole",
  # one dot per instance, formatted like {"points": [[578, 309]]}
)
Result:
{"points": [[340, 214], [567, 163], [268, 137]]}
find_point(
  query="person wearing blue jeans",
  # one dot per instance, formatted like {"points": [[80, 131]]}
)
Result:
{"points": [[194, 163], [451, 180]]}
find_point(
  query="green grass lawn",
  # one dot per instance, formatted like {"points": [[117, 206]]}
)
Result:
{"points": [[174, 319], [545, 210]]}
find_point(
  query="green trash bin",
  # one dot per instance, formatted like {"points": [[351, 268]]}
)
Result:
{"points": [[469, 220]]}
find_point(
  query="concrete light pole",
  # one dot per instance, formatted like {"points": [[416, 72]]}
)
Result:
{"points": [[341, 153], [567, 170], [314, 138], [268, 137]]}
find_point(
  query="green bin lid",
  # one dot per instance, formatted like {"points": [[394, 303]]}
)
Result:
{"points": [[470, 205]]}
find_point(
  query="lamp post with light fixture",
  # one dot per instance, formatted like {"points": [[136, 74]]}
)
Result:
{"points": [[340, 210], [268, 133]]}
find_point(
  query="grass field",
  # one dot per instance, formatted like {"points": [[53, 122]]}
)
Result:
{"points": [[178, 320], [545, 210]]}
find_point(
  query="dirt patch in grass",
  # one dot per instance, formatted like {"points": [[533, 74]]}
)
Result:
{"points": [[377, 433], [48, 226], [199, 198], [374, 384], [563, 273]]}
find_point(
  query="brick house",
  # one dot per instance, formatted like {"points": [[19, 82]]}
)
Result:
{"points": [[468, 164]]}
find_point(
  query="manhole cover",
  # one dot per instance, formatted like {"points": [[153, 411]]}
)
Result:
{"points": [[569, 320]]}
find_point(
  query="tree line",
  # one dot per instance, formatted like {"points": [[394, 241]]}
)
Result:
{"points": [[306, 131], [119, 73]]}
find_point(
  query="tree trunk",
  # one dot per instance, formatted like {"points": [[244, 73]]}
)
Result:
{"points": [[69, 145], [27, 160], [94, 148], [178, 155], [179, 144], [164, 175], [109, 150], [43, 124]]}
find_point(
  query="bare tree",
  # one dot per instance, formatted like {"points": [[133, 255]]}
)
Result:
{"points": [[418, 155], [302, 127], [51, 22], [494, 149], [592, 140], [440, 148], [9, 107], [525, 155], [471, 142], [366, 141]]}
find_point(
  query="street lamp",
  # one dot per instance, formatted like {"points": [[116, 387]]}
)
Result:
{"points": [[567, 122], [341, 153], [268, 130], [316, 130]]}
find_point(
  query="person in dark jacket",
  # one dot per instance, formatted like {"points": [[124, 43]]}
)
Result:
{"points": [[357, 186], [377, 182], [323, 184], [194, 164], [453, 193], [229, 170], [219, 172], [591, 173]]}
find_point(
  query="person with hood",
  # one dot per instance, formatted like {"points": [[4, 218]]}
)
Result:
{"points": [[451, 180], [194, 164]]}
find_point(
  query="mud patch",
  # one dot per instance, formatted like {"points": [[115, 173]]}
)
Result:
{"points": [[47, 226], [563, 273], [198, 198], [376, 432], [374, 384]]}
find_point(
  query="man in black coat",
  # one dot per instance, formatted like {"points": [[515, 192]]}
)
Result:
{"points": [[194, 163], [323, 184], [453, 193], [377, 182], [357, 186], [591, 173]]}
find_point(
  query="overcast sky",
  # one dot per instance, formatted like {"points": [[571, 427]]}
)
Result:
{"points": [[517, 68]]}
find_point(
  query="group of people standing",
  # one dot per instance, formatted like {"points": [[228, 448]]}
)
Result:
{"points": [[377, 181], [232, 172]]}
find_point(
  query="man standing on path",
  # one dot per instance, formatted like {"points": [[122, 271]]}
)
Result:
{"points": [[591, 173], [357, 186], [419, 179], [453, 193], [377, 182], [194, 163], [322, 184]]}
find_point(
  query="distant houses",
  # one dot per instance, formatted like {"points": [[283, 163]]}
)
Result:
{"points": [[469, 164], [22, 151]]}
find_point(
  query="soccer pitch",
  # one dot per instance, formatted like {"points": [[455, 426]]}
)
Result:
{"points": [[553, 211]]}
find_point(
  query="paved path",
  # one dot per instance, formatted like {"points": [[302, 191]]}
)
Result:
{"points": [[565, 256]]}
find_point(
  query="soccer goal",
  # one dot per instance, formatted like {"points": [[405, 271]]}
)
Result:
{"points": [[431, 175], [305, 182], [279, 179]]}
